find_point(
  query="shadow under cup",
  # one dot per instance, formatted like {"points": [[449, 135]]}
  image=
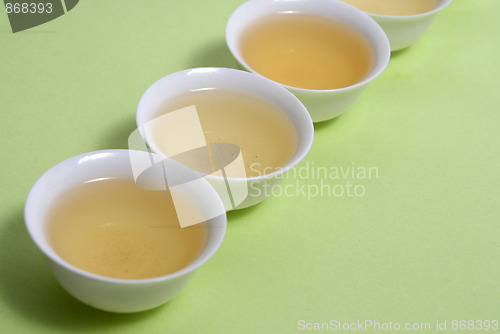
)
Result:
{"points": [[235, 192], [149, 172]]}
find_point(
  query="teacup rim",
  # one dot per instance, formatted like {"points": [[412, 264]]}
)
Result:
{"points": [[299, 156], [373, 74], [203, 257]]}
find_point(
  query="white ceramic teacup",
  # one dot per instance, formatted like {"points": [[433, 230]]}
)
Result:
{"points": [[111, 294], [235, 192], [404, 30], [321, 104]]}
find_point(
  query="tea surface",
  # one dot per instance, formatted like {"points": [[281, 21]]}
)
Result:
{"points": [[394, 7], [115, 229], [306, 51], [266, 137]]}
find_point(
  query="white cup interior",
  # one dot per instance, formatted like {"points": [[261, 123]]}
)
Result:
{"points": [[335, 10]]}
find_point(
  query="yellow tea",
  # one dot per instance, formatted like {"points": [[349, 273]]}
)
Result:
{"points": [[394, 7], [306, 51], [266, 137], [115, 229]]}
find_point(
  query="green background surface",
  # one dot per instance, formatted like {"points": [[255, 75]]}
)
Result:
{"points": [[421, 245]]}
